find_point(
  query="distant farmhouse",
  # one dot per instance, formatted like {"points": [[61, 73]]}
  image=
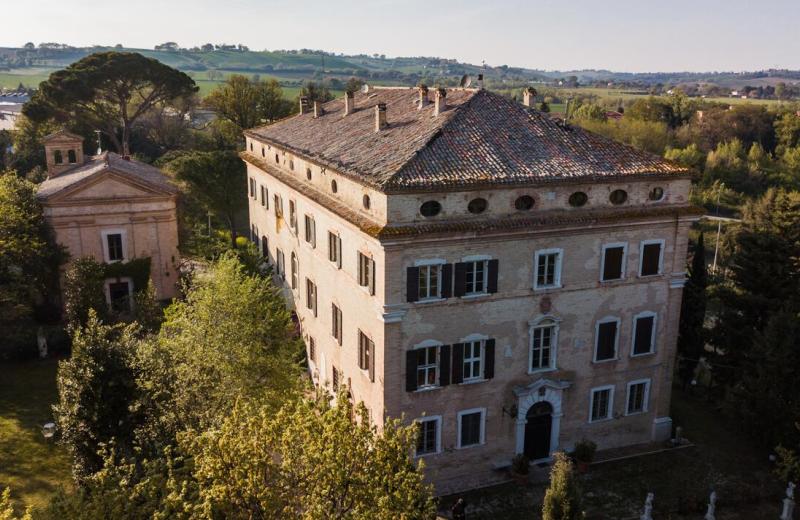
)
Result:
{"points": [[113, 209], [511, 283]]}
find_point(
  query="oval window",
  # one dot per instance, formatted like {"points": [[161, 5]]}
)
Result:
{"points": [[430, 208], [578, 199], [308, 173], [656, 194], [618, 197], [524, 203], [477, 205], [334, 187], [365, 201]]}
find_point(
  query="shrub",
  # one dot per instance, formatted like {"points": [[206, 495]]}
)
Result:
{"points": [[520, 464], [562, 501], [584, 451]]}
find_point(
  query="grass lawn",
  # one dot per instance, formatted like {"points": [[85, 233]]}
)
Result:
{"points": [[31, 467], [721, 460]]}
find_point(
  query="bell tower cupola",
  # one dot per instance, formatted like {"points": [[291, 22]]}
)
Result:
{"points": [[63, 150]]}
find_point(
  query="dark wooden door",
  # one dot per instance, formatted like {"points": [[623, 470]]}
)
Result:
{"points": [[537, 431]]}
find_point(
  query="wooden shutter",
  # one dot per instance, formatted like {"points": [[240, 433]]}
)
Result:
{"points": [[460, 285], [444, 365], [411, 370], [412, 284], [488, 370], [313, 232], [338, 251], [644, 335], [371, 263], [372, 361], [491, 286], [612, 265], [651, 254], [458, 363], [447, 280]]}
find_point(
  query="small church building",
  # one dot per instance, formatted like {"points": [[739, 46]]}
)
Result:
{"points": [[113, 209]]}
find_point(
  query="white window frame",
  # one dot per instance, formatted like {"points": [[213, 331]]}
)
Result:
{"points": [[482, 440], [556, 276], [438, 420], [310, 230], [540, 323], [475, 259], [607, 319], [645, 401], [107, 289], [124, 237], [593, 391], [429, 263], [428, 343], [643, 243], [644, 314], [624, 246], [472, 338]]}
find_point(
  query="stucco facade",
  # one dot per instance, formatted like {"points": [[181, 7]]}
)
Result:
{"points": [[537, 322], [112, 209]]}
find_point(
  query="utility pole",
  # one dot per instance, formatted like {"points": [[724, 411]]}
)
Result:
{"points": [[719, 229]]}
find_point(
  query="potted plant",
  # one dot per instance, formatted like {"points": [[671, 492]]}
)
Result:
{"points": [[520, 467], [584, 454]]}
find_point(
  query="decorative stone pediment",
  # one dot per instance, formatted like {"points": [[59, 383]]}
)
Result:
{"points": [[105, 186], [533, 388]]}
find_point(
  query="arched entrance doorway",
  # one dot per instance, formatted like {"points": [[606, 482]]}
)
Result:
{"points": [[538, 429]]}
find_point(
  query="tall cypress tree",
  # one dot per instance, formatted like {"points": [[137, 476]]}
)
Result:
{"points": [[691, 335]]}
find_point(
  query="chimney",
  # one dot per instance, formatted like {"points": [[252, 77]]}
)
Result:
{"points": [[423, 97], [380, 117], [529, 97], [480, 81], [440, 101], [349, 102], [303, 104], [318, 111]]}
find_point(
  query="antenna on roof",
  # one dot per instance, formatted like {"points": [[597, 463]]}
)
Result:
{"points": [[466, 81], [99, 143]]}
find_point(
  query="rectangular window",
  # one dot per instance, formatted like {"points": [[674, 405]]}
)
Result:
{"points": [[613, 262], [335, 249], [311, 230], [281, 264], [278, 205], [295, 267], [252, 188], [548, 269], [293, 215], [606, 343], [430, 282], [115, 251], [473, 357], [366, 272], [470, 427], [637, 396], [650, 263], [475, 277], [311, 296], [542, 346], [336, 323], [643, 334], [312, 349], [427, 366], [119, 294], [264, 197], [602, 403], [366, 351], [428, 440]]}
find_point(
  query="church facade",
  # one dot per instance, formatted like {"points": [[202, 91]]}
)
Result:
{"points": [[510, 282]]}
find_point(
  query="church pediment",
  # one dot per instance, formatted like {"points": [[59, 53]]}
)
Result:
{"points": [[108, 185]]}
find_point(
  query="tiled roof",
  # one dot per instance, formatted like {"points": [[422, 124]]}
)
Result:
{"points": [[107, 161], [481, 139]]}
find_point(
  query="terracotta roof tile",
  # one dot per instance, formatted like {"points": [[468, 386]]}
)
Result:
{"points": [[482, 139]]}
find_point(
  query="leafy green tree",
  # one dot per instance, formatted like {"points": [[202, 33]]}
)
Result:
{"points": [[146, 309], [652, 109], [650, 136], [590, 111], [248, 103], [84, 292], [787, 130], [97, 392], [691, 156], [544, 107], [310, 460], [216, 182], [788, 464], [232, 337], [562, 500], [316, 92], [109, 91], [29, 261], [691, 332], [353, 85], [7, 508]]}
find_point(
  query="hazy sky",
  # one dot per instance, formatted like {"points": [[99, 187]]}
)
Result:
{"points": [[622, 35]]}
